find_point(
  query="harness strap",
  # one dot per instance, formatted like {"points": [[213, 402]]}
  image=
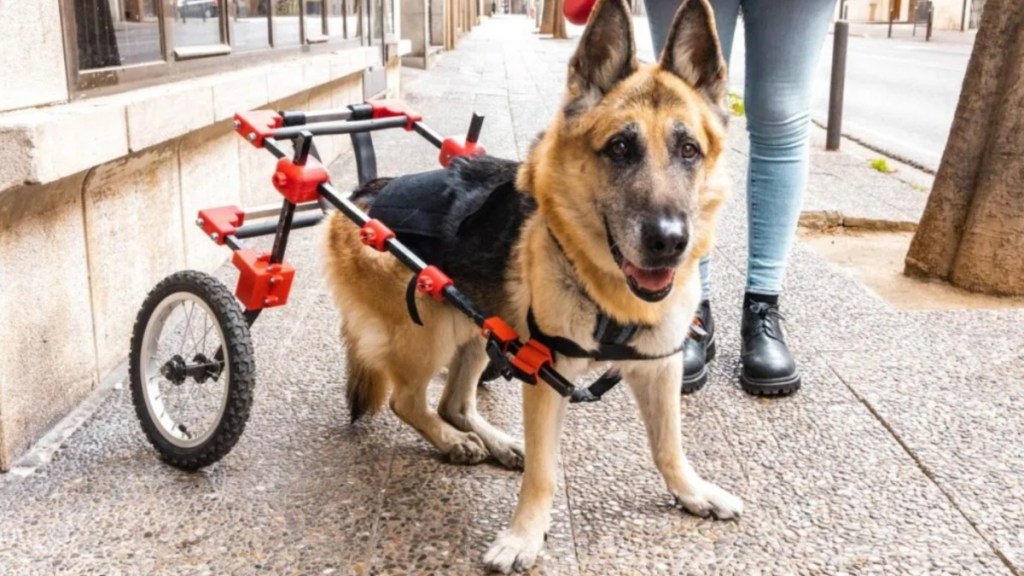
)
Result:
{"points": [[610, 347], [410, 301]]}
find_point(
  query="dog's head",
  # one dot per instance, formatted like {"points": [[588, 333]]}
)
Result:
{"points": [[629, 175]]}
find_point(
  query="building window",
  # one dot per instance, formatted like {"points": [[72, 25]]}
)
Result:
{"points": [[116, 45], [107, 37], [197, 23]]}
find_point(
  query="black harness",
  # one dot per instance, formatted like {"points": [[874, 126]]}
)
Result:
{"points": [[612, 341]]}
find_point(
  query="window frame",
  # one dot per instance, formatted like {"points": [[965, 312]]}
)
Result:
{"points": [[203, 60]]}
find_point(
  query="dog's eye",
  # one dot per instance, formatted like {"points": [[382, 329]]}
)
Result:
{"points": [[688, 151], [618, 148]]}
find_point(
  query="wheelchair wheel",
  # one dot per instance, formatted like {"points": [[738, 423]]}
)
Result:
{"points": [[191, 369]]}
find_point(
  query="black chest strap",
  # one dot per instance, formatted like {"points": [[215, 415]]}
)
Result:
{"points": [[613, 341]]}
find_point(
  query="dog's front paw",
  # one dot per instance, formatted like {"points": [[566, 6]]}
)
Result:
{"points": [[710, 500], [512, 552], [467, 449], [510, 455]]}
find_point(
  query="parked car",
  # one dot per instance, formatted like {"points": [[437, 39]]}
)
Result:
{"points": [[198, 9]]}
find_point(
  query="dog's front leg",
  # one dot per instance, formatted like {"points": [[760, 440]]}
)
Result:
{"points": [[517, 547], [655, 386]]}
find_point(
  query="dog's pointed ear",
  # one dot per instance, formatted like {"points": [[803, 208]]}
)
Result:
{"points": [[693, 52], [606, 53]]}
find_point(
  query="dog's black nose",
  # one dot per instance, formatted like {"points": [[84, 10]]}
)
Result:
{"points": [[664, 238]]}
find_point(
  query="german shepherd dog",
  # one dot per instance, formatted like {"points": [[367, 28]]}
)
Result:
{"points": [[609, 214]]}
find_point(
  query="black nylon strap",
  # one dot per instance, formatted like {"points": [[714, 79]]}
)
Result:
{"points": [[410, 301], [607, 351]]}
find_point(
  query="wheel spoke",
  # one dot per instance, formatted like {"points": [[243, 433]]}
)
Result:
{"points": [[188, 327]]}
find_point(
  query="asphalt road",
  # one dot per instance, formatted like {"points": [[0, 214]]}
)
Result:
{"points": [[900, 95]]}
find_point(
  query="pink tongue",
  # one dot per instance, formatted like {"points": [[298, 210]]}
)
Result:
{"points": [[651, 280]]}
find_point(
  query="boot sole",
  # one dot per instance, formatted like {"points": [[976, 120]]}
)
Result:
{"points": [[770, 386], [693, 383]]}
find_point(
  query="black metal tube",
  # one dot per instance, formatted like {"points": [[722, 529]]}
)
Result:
{"points": [[892, 16], [456, 298], [431, 136], [284, 227], [274, 148], [366, 158], [341, 127], [475, 126], [835, 96], [232, 241], [298, 117], [269, 227]]}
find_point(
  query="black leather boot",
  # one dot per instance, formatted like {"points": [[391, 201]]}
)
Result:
{"points": [[698, 352], [768, 367]]}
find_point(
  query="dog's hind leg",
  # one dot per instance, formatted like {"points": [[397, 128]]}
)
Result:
{"points": [[458, 405], [411, 374], [655, 387]]}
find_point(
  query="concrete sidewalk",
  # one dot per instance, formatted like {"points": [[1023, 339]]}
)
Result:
{"points": [[903, 453]]}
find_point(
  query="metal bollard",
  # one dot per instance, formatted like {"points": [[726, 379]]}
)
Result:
{"points": [[835, 95], [892, 16]]}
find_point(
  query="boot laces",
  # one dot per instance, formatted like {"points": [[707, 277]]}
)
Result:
{"points": [[768, 320]]}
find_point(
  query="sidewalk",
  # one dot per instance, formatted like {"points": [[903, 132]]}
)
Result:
{"points": [[903, 453], [905, 31]]}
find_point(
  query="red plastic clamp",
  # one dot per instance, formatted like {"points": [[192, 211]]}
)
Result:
{"points": [[530, 360], [260, 283], [432, 281], [393, 109], [496, 328], [452, 147], [299, 183], [255, 125], [217, 223], [375, 235]]}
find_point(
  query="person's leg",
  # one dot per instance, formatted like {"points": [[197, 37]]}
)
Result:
{"points": [[783, 44]]}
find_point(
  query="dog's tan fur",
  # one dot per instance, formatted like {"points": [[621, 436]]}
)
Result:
{"points": [[389, 356]]}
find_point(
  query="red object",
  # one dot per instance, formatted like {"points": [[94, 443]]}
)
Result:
{"points": [[299, 183], [260, 283], [255, 125], [432, 281], [452, 147], [221, 221], [375, 234], [578, 11], [393, 109], [531, 358], [495, 327]]}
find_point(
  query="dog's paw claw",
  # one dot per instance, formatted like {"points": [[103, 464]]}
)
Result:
{"points": [[468, 450], [512, 553], [711, 501]]}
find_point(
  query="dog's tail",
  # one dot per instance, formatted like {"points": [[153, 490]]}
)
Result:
{"points": [[366, 388]]}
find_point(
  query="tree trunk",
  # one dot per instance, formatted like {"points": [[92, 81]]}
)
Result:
{"points": [[547, 22], [558, 30], [972, 230], [554, 21]]}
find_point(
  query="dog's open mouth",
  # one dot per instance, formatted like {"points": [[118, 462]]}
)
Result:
{"points": [[650, 284]]}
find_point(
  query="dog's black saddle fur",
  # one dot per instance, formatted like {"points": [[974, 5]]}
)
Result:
{"points": [[464, 219]]}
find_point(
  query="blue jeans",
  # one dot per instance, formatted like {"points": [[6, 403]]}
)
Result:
{"points": [[783, 42]]}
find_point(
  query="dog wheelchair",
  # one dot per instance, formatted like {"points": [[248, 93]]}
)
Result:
{"points": [[192, 369]]}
